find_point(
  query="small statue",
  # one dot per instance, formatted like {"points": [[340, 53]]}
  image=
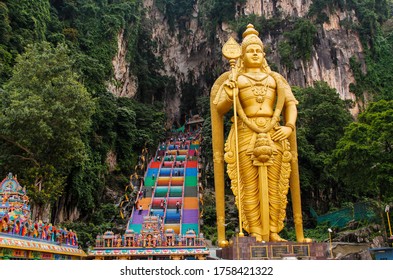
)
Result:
{"points": [[4, 224], [118, 241]]}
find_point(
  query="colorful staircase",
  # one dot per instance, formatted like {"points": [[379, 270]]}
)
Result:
{"points": [[171, 178]]}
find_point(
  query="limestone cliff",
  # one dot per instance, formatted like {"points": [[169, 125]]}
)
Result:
{"points": [[269, 8], [330, 58], [124, 83], [188, 54]]}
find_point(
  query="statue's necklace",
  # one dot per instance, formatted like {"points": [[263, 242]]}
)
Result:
{"points": [[259, 89]]}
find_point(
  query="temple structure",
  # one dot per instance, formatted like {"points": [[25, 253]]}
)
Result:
{"points": [[23, 238]]}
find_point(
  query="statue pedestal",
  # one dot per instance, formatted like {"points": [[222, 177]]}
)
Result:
{"points": [[247, 248]]}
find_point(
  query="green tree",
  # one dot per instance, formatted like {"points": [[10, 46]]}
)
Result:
{"points": [[91, 29], [364, 156], [176, 11], [322, 117], [5, 28], [137, 126], [28, 20], [46, 113], [374, 19], [302, 38]]}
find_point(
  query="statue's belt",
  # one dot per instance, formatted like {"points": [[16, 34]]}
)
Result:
{"points": [[261, 122]]}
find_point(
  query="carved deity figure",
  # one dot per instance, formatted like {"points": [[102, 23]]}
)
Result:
{"points": [[260, 150]]}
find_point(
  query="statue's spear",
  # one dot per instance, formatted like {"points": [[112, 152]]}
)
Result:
{"points": [[232, 51]]}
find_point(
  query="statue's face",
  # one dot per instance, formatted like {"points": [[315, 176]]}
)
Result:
{"points": [[253, 56]]}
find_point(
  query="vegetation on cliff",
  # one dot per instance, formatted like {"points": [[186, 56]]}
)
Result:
{"points": [[59, 122]]}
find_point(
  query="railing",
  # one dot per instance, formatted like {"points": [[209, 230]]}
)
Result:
{"points": [[64, 241], [143, 242]]}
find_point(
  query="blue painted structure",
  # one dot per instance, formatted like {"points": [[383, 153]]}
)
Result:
{"points": [[384, 253]]}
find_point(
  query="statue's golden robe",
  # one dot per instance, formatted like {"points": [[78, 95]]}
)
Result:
{"points": [[278, 171]]}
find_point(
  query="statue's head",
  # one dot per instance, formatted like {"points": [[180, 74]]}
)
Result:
{"points": [[250, 36], [251, 40]]}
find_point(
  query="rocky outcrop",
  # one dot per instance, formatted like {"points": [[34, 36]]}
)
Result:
{"points": [[124, 83], [268, 8], [111, 161], [354, 242], [351, 251], [330, 60], [185, 53], [188, 55]]}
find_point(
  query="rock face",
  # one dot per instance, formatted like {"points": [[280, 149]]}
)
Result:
{"points": [[330, 59], [124, 83], [189, 55], [268, 8]]}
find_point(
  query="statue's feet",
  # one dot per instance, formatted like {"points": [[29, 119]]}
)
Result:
{"points": [[275, 237], [305, 240], [257, 236]]}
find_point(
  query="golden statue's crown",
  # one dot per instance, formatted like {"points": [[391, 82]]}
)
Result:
{"points": [[250, 36], [250, 30]]}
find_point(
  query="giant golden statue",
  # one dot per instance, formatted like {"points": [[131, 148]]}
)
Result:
{"points": [[261, 149]]}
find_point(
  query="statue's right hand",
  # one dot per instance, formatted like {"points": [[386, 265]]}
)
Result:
{"points": [[231, 84], [228, 87]]}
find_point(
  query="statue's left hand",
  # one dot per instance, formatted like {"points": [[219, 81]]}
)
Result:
{"points": [[281, 133]]}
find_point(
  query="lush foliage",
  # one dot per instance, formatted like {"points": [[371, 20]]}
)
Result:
{"points": [[153, 86], [377, 37], [216, 12], [91, 28], [21, 23], [222, 10], [363, 158], [51, 136], [302, 38], [44, 117], [371, 14], [178, 12], [321, 121], [319, 8], [319, 233], [376, 82], [100, 223]]}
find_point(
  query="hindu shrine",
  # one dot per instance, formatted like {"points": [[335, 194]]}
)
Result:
{"points": [[23, 238]]}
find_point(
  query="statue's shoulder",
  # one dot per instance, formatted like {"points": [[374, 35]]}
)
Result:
{"points": [[243, 81], [220, 80], [283, 86], [278, 77], [214, 92]]}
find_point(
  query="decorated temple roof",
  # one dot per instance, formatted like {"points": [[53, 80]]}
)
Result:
{"points": [[11, 185], [13, 199], [16, 222]]}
